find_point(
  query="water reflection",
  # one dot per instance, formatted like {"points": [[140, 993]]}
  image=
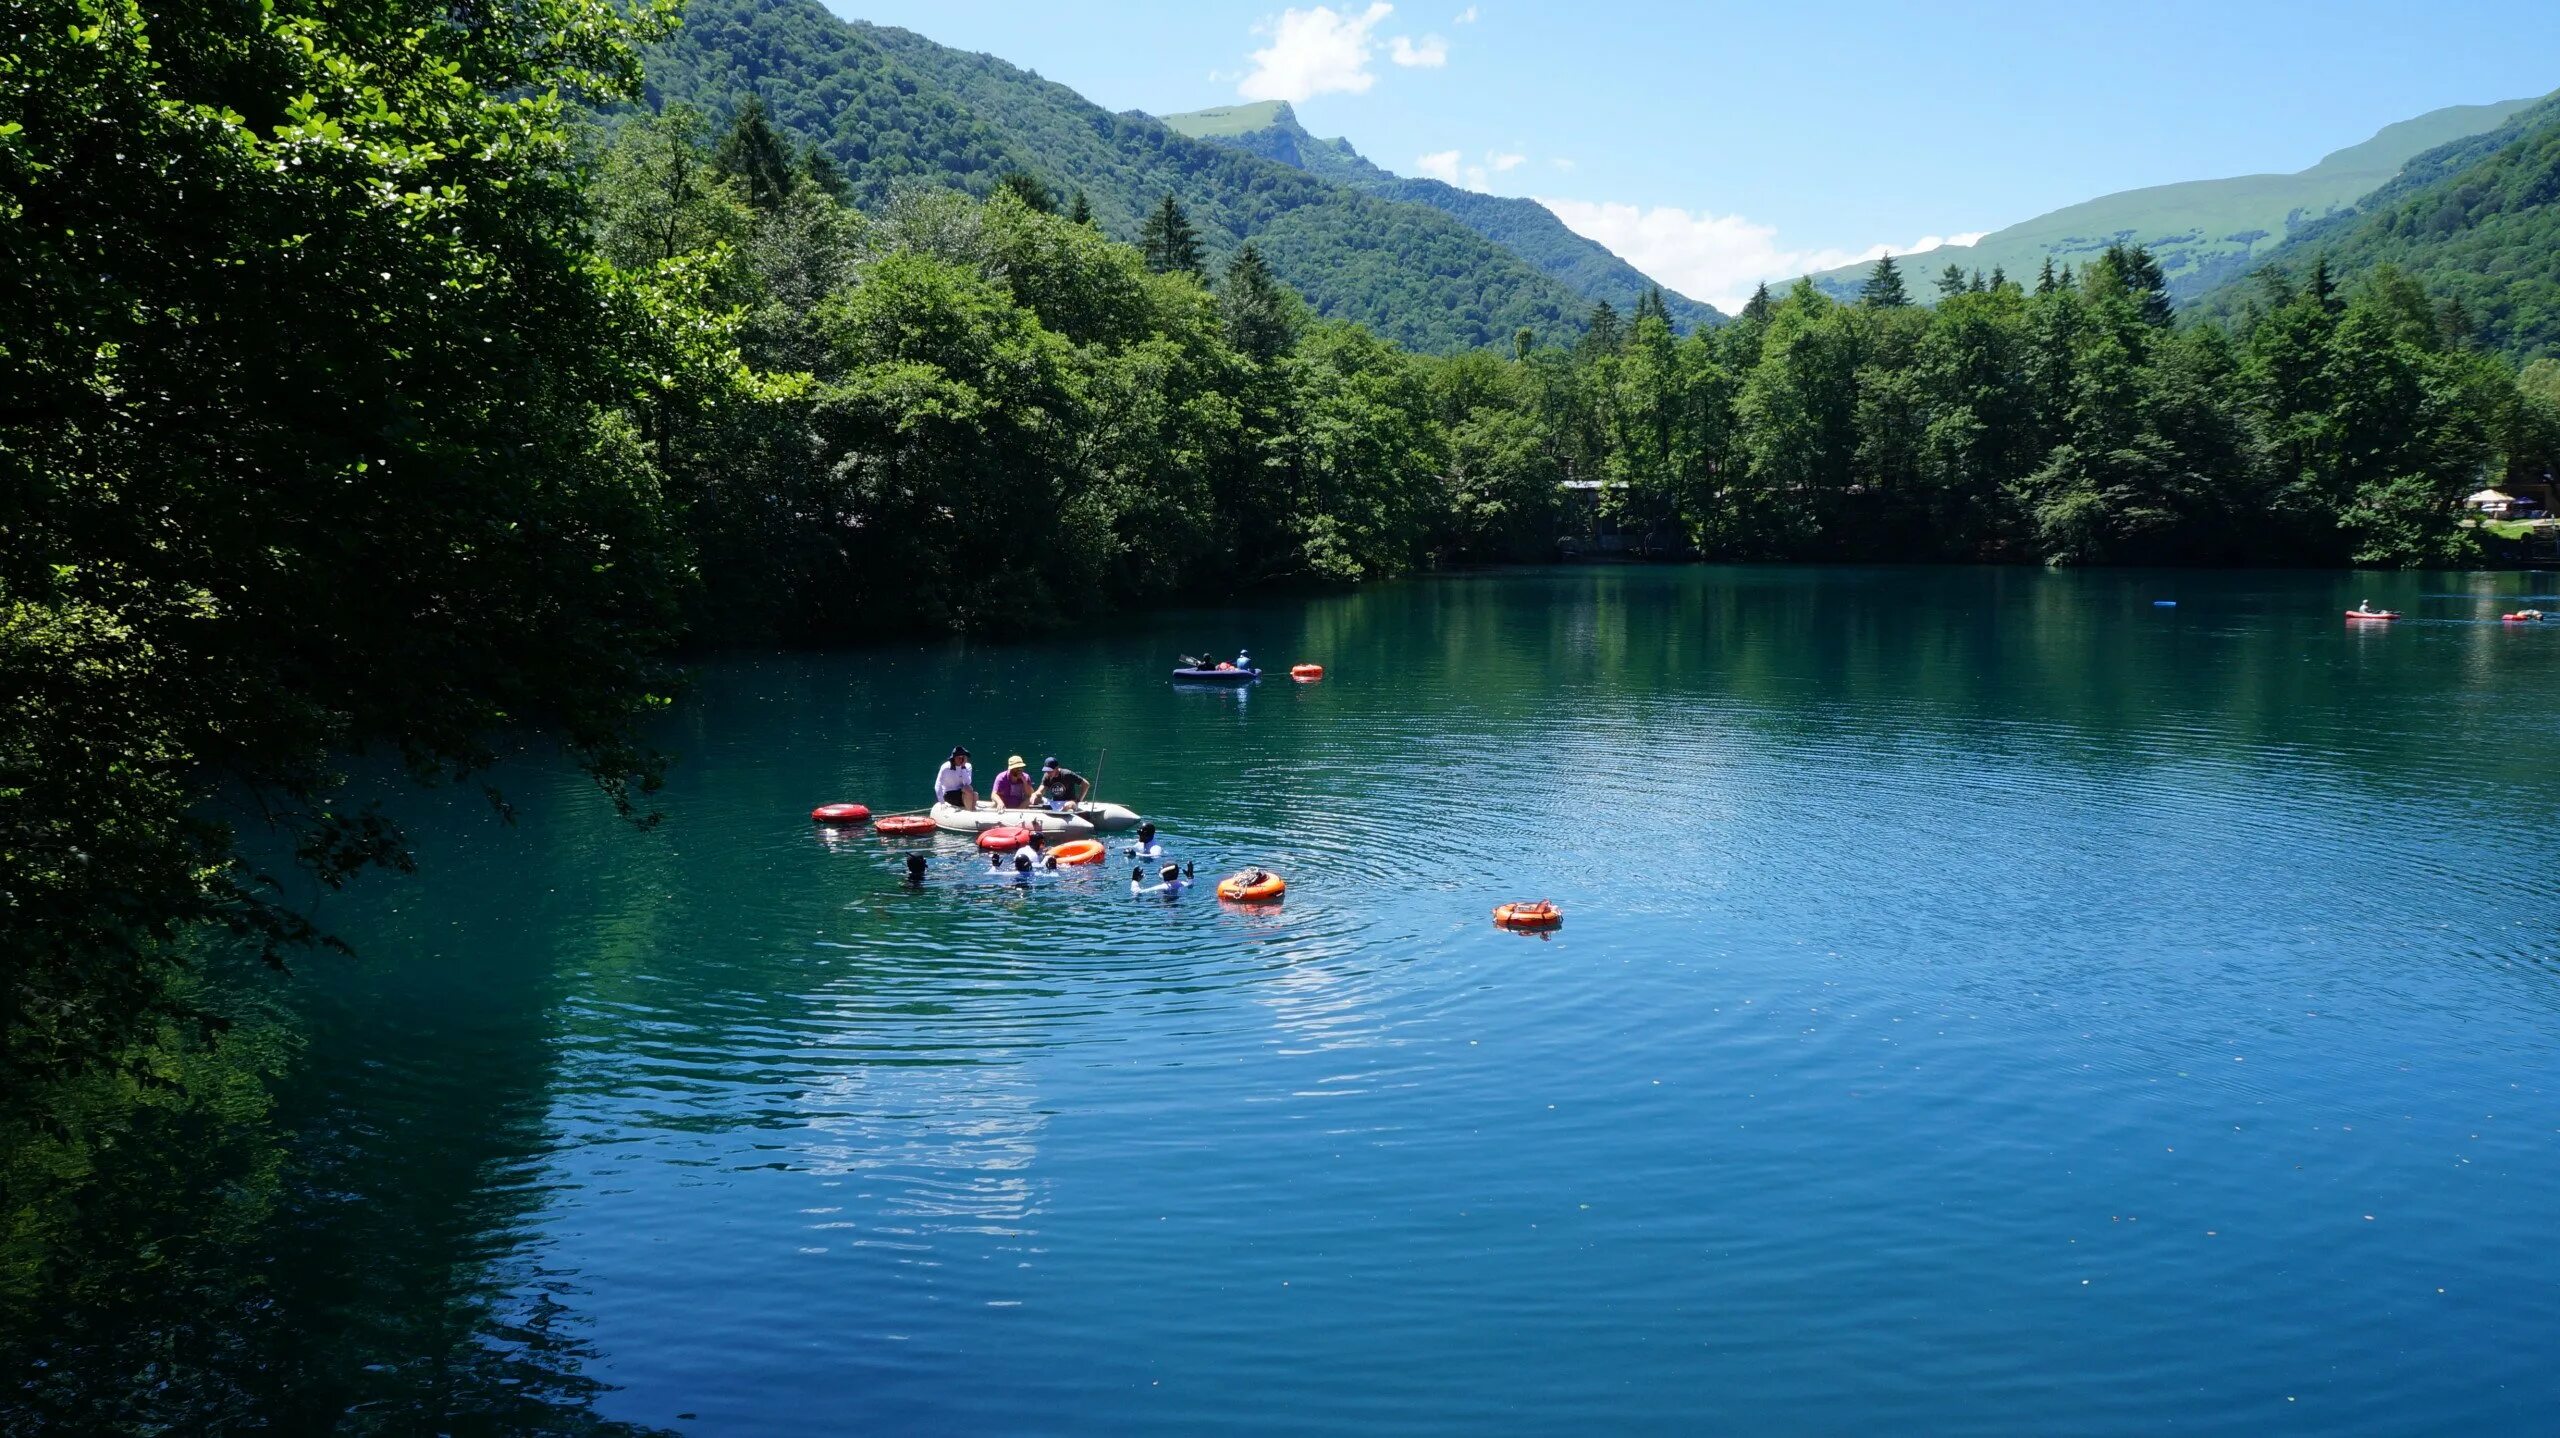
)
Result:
{"points": [[1966, 970]]}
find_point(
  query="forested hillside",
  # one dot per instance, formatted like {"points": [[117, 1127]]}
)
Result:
{"points": [[2206, 232], [892, 108], [2475, 224], [1524, 227]]}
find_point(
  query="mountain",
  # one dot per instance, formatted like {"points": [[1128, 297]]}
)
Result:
{"points": [[2475, 223], [1524, 227], [2203, 232], [894, 110]]}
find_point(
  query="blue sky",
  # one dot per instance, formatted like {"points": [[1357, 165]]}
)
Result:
{"points": [[1721, 142]]}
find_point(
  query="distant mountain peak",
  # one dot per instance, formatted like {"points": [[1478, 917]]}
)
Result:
{"points": [[1526, 228]]}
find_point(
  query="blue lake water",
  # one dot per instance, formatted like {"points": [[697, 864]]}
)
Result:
{"points": [[1987, 1003]]}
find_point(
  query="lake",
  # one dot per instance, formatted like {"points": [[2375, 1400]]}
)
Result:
{"points": [[1987, 1003]]}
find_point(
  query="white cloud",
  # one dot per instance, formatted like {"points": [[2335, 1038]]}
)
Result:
{"points": [[1314, 52], [1430, 52], [1452, 167], [1717, 258], [1465, 17], [1324, 51], [1561, 163]]}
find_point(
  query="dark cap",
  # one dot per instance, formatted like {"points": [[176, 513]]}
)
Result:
{"points": [[1049, 763]]}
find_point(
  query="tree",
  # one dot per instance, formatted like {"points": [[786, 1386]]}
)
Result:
{"points": [[821, 173], [1081, 212], [1258, 309], [755, 158], [1169, 242], [1653, 305], [1951, 282], [317, 440], [1602, 332], [1884, 290], [1026, 187], [1757, 308]]}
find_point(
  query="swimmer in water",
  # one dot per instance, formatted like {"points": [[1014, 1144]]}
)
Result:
{"points": [[915, 871], [1146, 847], [1171, 880]]}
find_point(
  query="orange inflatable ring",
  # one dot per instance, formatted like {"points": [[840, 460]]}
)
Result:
{"points": [[897, 824], [1004, 838], [840, 813], [1079, 851], [1244, 888], [1540, 915], [1306, 673]]}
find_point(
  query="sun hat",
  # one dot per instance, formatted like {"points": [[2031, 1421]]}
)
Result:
{"points": [[959, 751], [1016, 763]]}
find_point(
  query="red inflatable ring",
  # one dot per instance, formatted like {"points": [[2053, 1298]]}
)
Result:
{"points": [[1004, 839], [905, 824], [841, 813], [1540, 915], [1079, 851], [1253, 886], [1306, 673]]}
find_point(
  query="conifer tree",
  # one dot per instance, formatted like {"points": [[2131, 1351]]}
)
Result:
{"points": [[1256, 307], [755, 158], [1081, 212], [1884, 289], [822, 174], [1604, 332], [1168, 241], [2045, 282], [1026, 187], [1654, 303], [1999, 279], [1951, 282], [1761, 302]]}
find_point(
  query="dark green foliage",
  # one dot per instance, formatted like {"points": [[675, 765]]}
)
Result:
{"points": [[896, 110], [1884, 288], [1261, 314], [1026, 187], [2073, 426], [1168, 241], [2475, 224], [755, 159]]}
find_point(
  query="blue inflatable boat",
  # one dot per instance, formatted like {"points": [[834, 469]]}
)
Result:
{"points": [[1216, 676]]}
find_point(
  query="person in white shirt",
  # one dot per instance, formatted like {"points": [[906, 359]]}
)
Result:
{"points": [[1146, 847], [1171, 881], [956, 784]]}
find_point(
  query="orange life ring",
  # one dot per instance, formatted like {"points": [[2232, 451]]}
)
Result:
{"points": [[1306, 673], [1004, 838], [840, 813], [1079, 851], [1540, 915], [898, 824], [1245, 889]]}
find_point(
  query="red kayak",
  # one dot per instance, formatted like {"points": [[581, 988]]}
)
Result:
{"points": [[2371, 614]]}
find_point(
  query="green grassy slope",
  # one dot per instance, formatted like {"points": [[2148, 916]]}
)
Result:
{"points": [[2204, 232], [1524, 227], [895, 109], [2475, 221]]}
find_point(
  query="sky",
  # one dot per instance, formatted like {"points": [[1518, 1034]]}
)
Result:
{"points": [[1719, 143]]}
